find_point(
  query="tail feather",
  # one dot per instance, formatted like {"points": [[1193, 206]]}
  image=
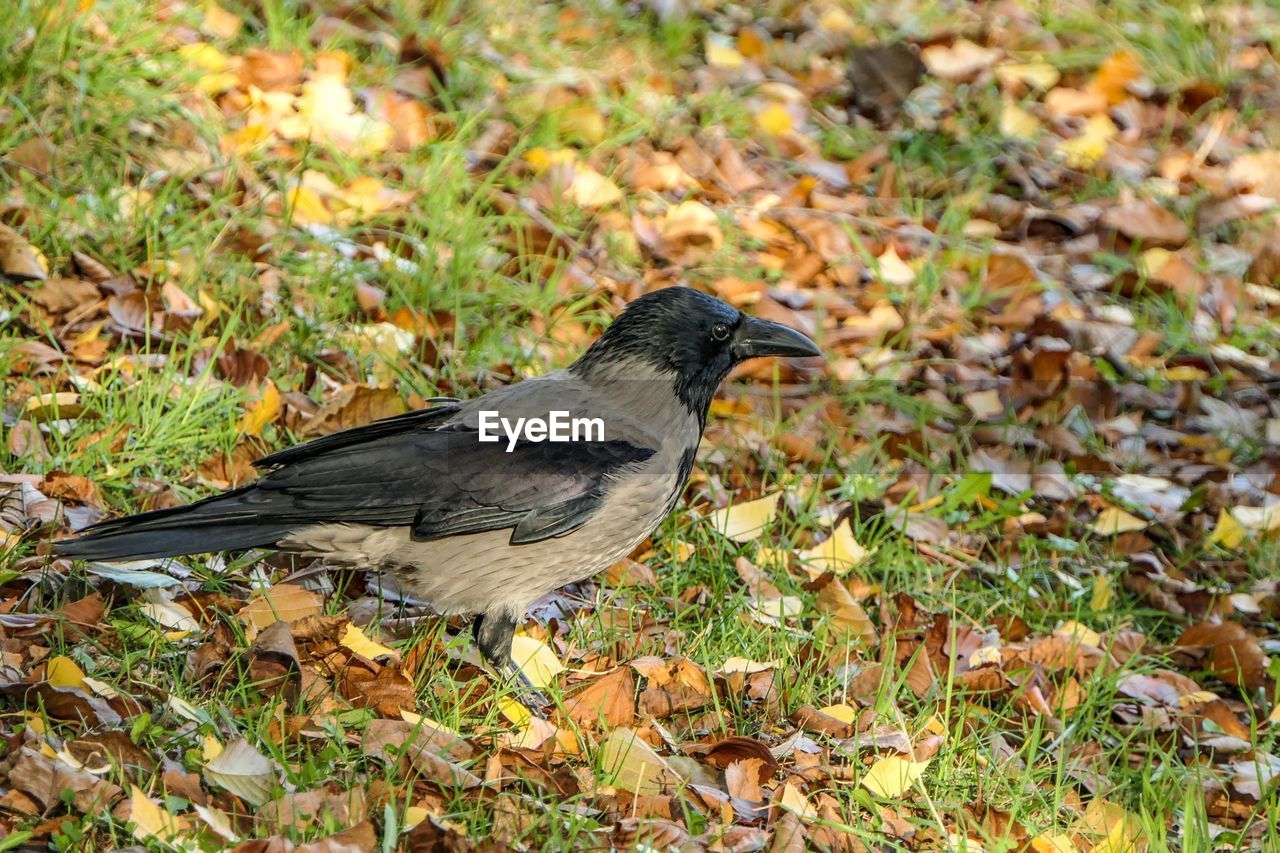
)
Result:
{"points": [[227, 522]]}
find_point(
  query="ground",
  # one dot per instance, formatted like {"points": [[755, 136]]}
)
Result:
{"points": [[999, 573]]}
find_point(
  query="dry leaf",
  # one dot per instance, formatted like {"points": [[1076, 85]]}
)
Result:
{"points": [[536, 660], [19, 260], [285, 602], [893, 775], [243, 771], [745, 521], [632, 764]]}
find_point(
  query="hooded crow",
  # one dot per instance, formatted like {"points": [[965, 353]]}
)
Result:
{"points": [[485, 524]]}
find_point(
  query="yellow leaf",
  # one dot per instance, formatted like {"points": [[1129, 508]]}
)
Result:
{"points": [[592, 190], [837, 20], [211, 748], [1152, 261], [692, 223], [263, 411], [1228, 532], [892, 269], [358, 642], [984, 655], [1120, 831], [721, 55], [535, 659], [797, 803], [744, 522], [205, 57], [839, 553], [772, 558], [1083, 635], [1113, 521], [541, 159], [1053, 842], [514, 711], [893, 775], [1090, 146], [745, 665], [1017, 123], [150, 822], [1114, 76], [62, 671], [583, 122], [219, 23], [844, 713], [774, 120], [413, 816], [1184, 373], [308, 208], [1037, 76], [1103, 592]]}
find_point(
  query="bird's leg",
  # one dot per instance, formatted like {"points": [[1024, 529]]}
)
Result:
{"points": [[493, 632]]}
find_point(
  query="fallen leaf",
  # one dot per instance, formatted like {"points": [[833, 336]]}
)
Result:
{"points": [[961, 60], [356, 640], [893, 775], [243, 771], [1113, 521], [151, 822], [535, 659], [19, 260], [745, 521], [632, 765], [284, 601], [838, 553]]}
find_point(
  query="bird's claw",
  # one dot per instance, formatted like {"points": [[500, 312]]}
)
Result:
{"points": [[525, 691]]}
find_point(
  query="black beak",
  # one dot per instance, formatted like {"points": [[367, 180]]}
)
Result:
{"points": [[757, 338]]}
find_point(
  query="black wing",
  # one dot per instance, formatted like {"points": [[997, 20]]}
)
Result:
{"points": [[415, 470], [446, 482]]}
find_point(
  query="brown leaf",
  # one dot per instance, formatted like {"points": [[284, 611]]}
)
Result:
{"points": [[356, 406], [307, 808], [46, 780], [19, 260], [59, 295], [283, 602], [608, 700], [273, 660], [881, 76], [1234, 653], [361, 838], [383, 738], [810, 719], [27, 444], [272, 70], [388, 691], [1148, 221], [732, 749]]}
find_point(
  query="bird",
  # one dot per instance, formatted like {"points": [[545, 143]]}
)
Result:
{"points": [[482, 525]]}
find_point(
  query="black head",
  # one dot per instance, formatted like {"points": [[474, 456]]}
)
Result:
{"points": [[692, 336]]}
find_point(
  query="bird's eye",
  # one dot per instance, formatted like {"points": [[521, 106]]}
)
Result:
{"points": [[720, 332]]}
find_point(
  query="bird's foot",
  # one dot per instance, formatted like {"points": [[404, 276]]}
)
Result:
{"points": [[493, 633], [525, 691]]}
